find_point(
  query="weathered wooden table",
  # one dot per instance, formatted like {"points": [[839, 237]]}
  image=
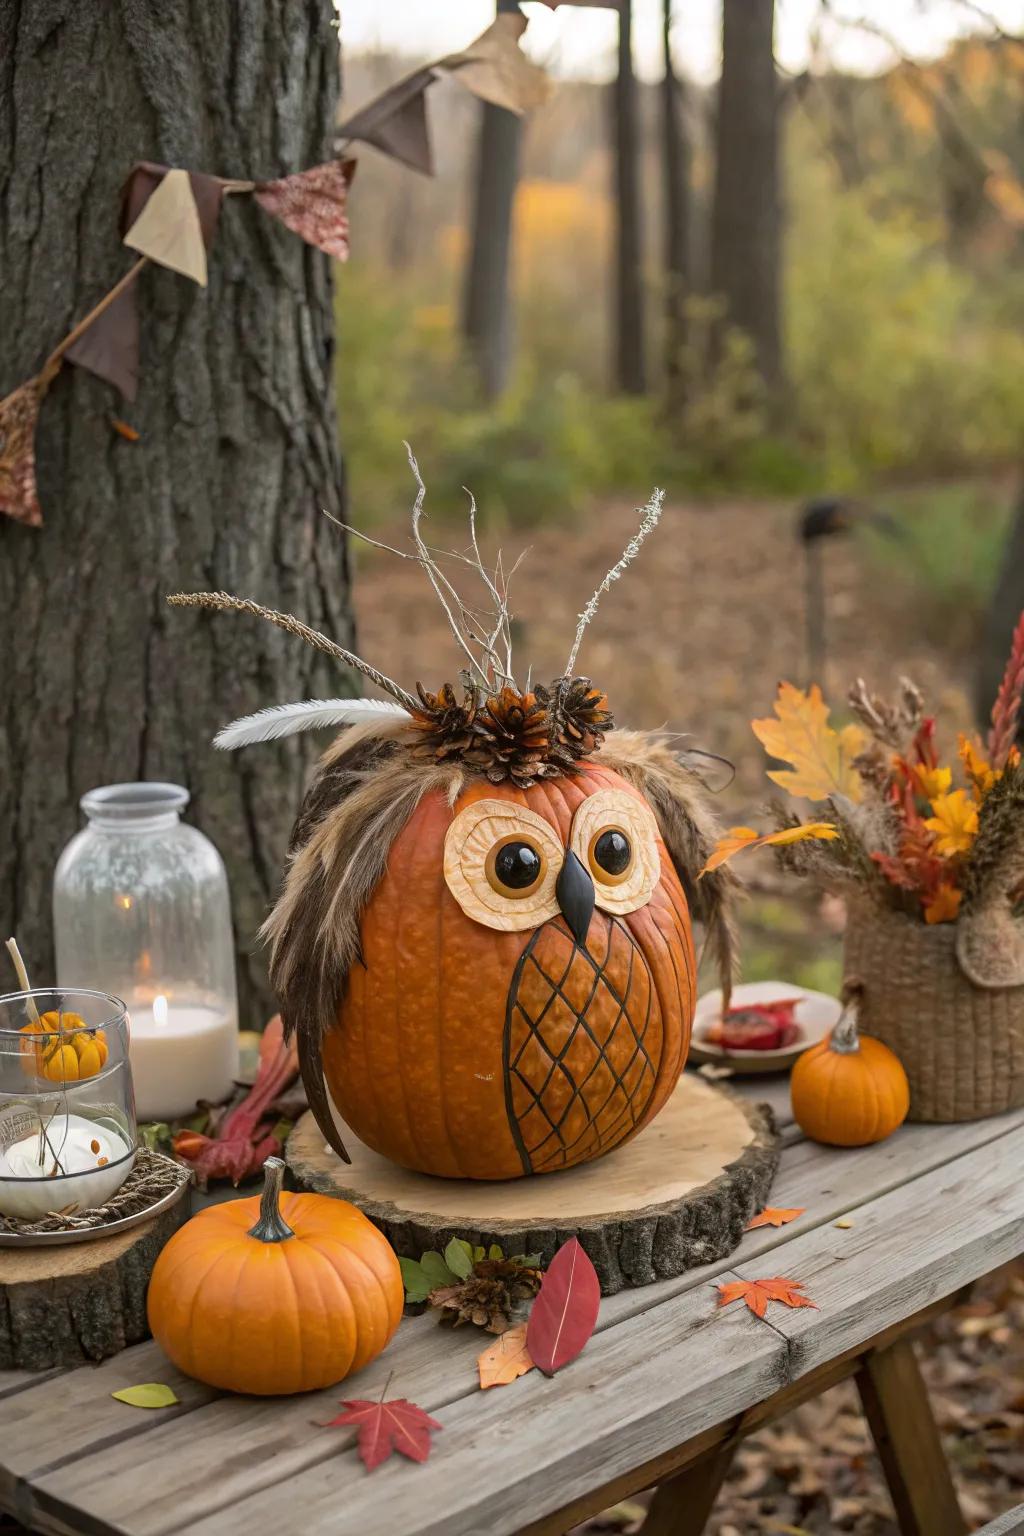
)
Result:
{"points": [[662, 1393]]}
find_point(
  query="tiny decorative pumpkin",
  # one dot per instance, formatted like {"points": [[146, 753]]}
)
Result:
{"points": [[67, 1052], [849, 1090], [483, 941], [275, 1294]]}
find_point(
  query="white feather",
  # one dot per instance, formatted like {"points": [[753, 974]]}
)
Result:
{"points": [[312, 715]]}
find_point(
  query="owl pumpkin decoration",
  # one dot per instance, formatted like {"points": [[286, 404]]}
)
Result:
{"points": [[483, 940]]}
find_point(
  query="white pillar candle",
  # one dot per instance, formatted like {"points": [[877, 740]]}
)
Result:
{"points": [[84, 1163], [180, 1052]]}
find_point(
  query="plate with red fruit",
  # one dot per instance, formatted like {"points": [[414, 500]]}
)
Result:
{"points": [[767, 1026]]}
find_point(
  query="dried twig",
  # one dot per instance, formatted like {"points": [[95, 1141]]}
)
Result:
{"points": [[648, 522], [222, 601]]}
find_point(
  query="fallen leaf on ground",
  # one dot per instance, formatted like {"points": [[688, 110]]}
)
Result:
{"points": [[397, 1425], [738, 838], [821, 758], [758, 1293], [506, 1359], [151, 1394], [844, 1223], [565, 1313], [775, 1216]]}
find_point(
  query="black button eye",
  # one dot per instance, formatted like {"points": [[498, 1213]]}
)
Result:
{"points": [[612, 852], [517, 866]]}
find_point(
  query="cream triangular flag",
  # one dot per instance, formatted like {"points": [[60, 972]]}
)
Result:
{"points": [[168, 230]]}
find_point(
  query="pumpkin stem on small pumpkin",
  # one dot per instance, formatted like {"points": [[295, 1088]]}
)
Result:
{"points": [[844, 1037], [271, 1226]]}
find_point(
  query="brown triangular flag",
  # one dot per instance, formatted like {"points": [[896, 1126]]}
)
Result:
{"points": [[109, 347], [19, 413], [396, 122], [146, 176], [313, 204], [495, 68], [168, 230]]}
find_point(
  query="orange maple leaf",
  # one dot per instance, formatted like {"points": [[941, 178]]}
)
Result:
{"points": [[820, 758], [758, 1293], [738, 838], [505, 1359], [775, 1216]]}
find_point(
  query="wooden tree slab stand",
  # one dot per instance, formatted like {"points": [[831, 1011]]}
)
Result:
{"points": [[84, 1301], [677, 1196]]}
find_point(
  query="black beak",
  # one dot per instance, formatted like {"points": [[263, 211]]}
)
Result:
{"points": [[575, 892]]}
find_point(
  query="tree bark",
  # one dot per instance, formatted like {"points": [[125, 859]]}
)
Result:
{"points": [[676, 164], [237, 452], [745, 231], [630, 370]]}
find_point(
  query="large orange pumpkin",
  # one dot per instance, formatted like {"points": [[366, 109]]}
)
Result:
{"points": [[285, 1294], [483, 1035]]}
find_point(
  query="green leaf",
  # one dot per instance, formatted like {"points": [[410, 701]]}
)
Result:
{"points": [[527, 1260], [459, 1257], [151, 1394], [478, 1254], [418, 1284], [436, 1270], [494, 1252]]}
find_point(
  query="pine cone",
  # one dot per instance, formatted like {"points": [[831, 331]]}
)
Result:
{"points": [[579, 718], [488, 1297], [445, 722], [510, 739]]}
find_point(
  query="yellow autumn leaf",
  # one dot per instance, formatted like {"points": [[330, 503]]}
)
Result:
{"points": [[737, 838], [955, 823], [932, 781], [151, 1394], [978, 769], [506, 1359], [944, 906], [821, 758]]}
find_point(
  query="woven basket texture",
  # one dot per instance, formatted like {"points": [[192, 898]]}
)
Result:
{"points": [[962, 1045]]}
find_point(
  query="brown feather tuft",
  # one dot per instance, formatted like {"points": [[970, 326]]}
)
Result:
{"points": [[690, 830]]}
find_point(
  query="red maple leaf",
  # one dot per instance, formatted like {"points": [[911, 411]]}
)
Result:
{"points": [[758, 1293], [397, 1425]]}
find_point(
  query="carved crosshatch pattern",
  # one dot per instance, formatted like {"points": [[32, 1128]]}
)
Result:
{"points": [[597, 1008]]}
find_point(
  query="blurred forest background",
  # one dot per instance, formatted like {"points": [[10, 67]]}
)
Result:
{"points": [[776, 291]]}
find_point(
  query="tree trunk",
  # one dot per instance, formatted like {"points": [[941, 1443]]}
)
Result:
{"points": [[486, 320], [676, 163], [629, 292], [746, 223], [237, 452], [1006, 608]]}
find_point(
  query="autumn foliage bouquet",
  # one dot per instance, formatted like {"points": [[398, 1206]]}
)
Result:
{"points": [[915, 833], [930, 856]]}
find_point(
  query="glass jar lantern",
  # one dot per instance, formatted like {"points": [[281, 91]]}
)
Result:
{"points": [[67, 1116], [141, 908]]}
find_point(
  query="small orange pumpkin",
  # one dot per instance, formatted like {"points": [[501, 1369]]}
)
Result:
{"points": [[67, 1052], [277, 1294], [849, 1090]]}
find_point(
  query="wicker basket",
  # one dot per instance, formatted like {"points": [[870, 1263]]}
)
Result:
{"points": [[962, 1044]]}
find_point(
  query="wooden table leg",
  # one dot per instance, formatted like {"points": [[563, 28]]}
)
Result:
{"points": [[898, 1412], [681, 1505]]}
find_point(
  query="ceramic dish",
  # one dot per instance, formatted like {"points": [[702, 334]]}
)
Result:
{"points": [[815, 1015]]}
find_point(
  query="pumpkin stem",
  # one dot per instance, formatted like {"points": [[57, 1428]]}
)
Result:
{"points": [[271, 1226], [844, 1037]]}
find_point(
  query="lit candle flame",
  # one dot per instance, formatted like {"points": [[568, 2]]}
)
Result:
{"points": [[160, 1010]]}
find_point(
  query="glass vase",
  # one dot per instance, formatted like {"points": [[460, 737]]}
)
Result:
{"points": [[67, 1111], [141, 908]]}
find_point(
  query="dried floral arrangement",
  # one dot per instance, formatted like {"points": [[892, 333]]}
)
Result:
{"points": [[902, 831], [487, 901]]}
